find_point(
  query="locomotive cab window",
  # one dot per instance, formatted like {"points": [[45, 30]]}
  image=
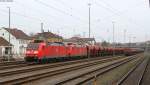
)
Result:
{"points": [[33, 46], [57, 44]]}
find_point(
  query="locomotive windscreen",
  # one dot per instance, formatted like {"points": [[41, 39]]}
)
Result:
{"points": [[33, 46], [38, 41]]}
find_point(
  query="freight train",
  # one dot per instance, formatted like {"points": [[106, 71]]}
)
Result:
{"points": [[40, 51]]}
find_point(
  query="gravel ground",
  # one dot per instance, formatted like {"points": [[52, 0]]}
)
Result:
{"points": [[146, 77], [110, 78]]}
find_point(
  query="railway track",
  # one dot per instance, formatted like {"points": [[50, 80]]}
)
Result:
{"points": [[61, 76], [16, 65], [47, 66], [92, 75], [20, 65], [146, 78], [135, 75], [13, 64], [10, 65], [50, 71]]}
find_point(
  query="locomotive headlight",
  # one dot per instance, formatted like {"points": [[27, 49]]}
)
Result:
{"points": [[35, 52], [28, 52]]}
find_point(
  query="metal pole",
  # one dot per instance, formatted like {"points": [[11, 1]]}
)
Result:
{"points": [[9, 37], [42, 30], [89, 20], [130, 41], [146, 46], [89, 26], [133, 41], [149, 3], [125, 35], [124, 41], [42, 27], [108, 35], [113, 38]]}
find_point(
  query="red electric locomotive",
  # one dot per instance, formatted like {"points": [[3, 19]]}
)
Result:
{"points": [[42, 51]]}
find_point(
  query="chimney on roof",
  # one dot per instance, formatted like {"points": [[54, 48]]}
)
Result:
{"points": [[42, 29], [48, 30]]}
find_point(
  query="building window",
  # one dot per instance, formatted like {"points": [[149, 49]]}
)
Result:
{"points": [[7, 50], [20, 41], [21, 49]]}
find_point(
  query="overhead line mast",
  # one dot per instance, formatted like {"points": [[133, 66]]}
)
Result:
{"points": [[89, 19]]}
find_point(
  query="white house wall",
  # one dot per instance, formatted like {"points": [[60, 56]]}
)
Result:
{"points": [[15, 42], [1, 51]]}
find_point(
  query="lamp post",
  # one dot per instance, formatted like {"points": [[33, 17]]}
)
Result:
{"points": [[9, 35], [89, 19], [125, 35], [149, 3], [113, 38], [129, 41], [89, 27]]}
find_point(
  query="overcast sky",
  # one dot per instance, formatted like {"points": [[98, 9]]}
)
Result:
{"points": [[70, 17]]}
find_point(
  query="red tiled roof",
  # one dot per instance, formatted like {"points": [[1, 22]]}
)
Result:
{"points": [[19, 34], [75, 38], [78, 39], [46, 35], [4, 42], [84, 39]]}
